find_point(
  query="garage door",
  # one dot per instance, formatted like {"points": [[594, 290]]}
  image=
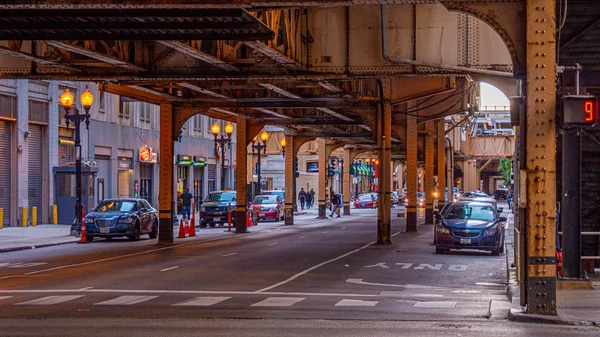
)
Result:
{"points": [[5, 169], [36, 167]]}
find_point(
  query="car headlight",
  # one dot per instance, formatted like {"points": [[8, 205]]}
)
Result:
{"points": [[443, 230], [490, 231], [128, 220], [89, 220]]}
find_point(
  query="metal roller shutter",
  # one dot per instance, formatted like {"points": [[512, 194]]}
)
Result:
{"points": [[64, 154], [212, 172], [5, 170], [36, 167]]}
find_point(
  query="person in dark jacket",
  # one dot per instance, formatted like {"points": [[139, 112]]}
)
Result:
{"points": [[302, 197], [309, 200], [335, 202], [186, 203]]}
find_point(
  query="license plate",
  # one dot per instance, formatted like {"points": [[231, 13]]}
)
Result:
{"points": [[216, 219], [465, 241], [261, 214], [104, 230]]}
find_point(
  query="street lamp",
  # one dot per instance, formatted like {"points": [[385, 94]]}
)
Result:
{"points": [[264, 136], [222, 140], [66, 100], [283, 143]]}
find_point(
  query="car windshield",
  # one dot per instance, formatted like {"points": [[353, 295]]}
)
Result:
{"points": [[220, 196], [471, 212], [265, 199], [364, 197], [115, 206], [281, 194]]}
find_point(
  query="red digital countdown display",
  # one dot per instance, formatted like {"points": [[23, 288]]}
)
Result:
{"points": [[579, 110]]}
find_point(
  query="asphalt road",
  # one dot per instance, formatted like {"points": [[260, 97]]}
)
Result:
{"points": [[323, 270]]}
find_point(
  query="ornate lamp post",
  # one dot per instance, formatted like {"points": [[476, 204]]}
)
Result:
{"points": [[283, 144], [258, 146], [222, 140], [66, 100]]}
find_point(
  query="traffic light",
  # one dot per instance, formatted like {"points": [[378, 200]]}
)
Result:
{"points": [[330, 170], [296, 167], [180, 135], [579, 110]]}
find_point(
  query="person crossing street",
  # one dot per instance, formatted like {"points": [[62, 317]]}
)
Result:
{"points": [[302, 197]]}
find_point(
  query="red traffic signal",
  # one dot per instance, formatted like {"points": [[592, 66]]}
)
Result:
{"points": [[579, 110]]}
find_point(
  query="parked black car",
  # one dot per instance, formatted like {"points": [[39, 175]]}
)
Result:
{"points": [[122, 217], [469, 225], [501, 194], [214, 210]]}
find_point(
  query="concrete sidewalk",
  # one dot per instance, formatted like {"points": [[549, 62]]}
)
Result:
{"points": [[19, 238]]}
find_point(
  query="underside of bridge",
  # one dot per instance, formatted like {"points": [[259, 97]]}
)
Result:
{"points": [[367, 75]]}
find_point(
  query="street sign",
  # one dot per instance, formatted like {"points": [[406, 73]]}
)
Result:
{"points": [[579, 110]]}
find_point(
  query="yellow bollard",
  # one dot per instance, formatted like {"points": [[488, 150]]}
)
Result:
{"points": [[1, 218], [33, 216], [55, 214], [24, 216]]}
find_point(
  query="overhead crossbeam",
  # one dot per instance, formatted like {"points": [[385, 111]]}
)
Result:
{"points": [[94, 55], [275, 55], [197, 54], [36, 59], [205, 91]]}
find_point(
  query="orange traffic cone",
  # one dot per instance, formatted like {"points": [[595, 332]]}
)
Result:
{"points": [[181, 229], [192, 227], [187, 226], [248, 220]]}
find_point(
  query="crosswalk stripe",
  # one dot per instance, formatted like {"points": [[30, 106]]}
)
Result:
{"points": [[126, 300], [278, 302], [4, 297], [49, 300], [202, 301], [435, 304], [355, 303]]}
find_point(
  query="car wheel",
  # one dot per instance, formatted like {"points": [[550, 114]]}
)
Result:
{"points": [[89, 238], [495, 253], [501, 248], [439, 251], [136, 233], [154, 233]]}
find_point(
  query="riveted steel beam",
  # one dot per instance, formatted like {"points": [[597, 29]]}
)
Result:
{"points": [[197, 54], [411, 172], [166, 202], [205, 91], [143, 96], [429, 163], [94, 55], [384, 139], [37, 59], [440, 127], [241, 156], [275, 55]]}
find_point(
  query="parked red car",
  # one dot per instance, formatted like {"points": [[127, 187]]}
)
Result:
{"points": [[268, 207], [365, 201]]}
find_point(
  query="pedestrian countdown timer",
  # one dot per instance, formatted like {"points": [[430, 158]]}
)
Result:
{"points": [[579, 110]]}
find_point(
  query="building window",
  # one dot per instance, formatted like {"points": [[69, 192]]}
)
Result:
{"points": [[102, 100], [198, 123], [125, 108], [145, 112]]}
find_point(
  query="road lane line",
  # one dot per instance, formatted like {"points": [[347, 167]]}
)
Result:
{"points": [[126, 300], [344, 227], [50, 300], [278, 302], [315, 267], [355, 303], [302, 237], [435, 304], [230, 254], [272, 244], [407, 286], [202, 301], [4, 297], [170, 268]]}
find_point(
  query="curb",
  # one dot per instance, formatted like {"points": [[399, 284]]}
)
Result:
{"points": [[518, 316], [14, 249]]}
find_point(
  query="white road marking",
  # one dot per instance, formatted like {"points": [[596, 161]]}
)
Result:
{"points": [[4, 297], [325, 232], [435, 304], [230, 254], [344, 227], [49, 300], [380, 265], [22, 265], [86, 288], [278, 302], [424, 265], [466, 291], [405, 265], [302, 237], [426, 295], [126, 300], [355, 303], [458, 267], [272, 244], [407, 286], [317, 266], [170, 268], [202, 301], [488, 284]]}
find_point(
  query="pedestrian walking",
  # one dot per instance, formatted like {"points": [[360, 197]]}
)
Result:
{"points": [[334, 201], [186, 203], [302, 198], [309, 200], [312, 197], [509, 199]]}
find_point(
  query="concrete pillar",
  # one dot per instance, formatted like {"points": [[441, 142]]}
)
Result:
{"points": [[347, 181], [429, 161], [290, 177], [384, 206], [165, 232], [400, 177], [53, 113], [22, 174], [322, 176], [242, 166], [411, 172], [540, 174], [440, 127]]}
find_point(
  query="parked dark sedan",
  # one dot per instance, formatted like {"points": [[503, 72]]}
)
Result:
{"points": [[215, 208], [469, 225], [122, 217]]}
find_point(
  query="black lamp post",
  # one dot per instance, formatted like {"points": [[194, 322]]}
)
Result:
{"points": [[222, 140], [66, 100], [258, 146]]}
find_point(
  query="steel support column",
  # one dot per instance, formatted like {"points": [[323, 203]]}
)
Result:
{"points": [[322, 176], [384, 191], [440, 127], [166, 200], [411, 173], [347, 181], [241, 155], [570, 215], [450, 171], [541, 157], [290, 178], [429, 161]]}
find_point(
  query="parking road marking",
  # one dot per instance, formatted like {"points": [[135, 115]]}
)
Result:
{"points": [[202, 301], [435, 304], [49, 300], [170, 268], [126, 300], [278, 302], [230, 254]]}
